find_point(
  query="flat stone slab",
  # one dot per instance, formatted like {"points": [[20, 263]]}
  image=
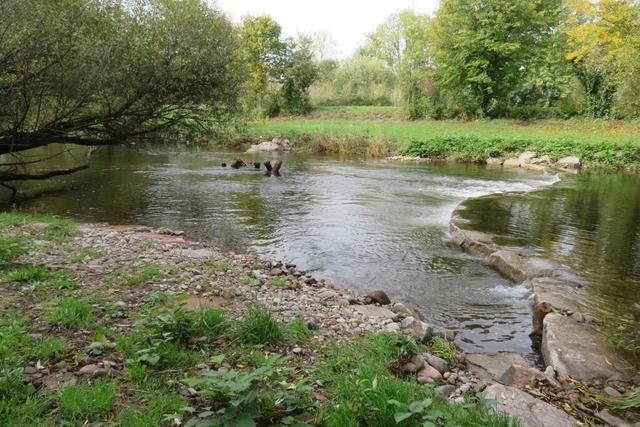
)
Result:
{"points": [[520, 267], [476, 242], [560, 294], [196, 253], [375, 311], [530, 411], [581, 352], [491, 367]]}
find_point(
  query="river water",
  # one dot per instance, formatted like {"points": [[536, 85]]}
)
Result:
{"points": [[362, 225]]}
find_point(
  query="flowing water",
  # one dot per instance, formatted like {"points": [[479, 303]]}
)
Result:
{"points": [[361, 225]]}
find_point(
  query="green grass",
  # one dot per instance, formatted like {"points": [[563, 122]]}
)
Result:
{"points": [[139, 277], [70, 313], [258, 327], [598, 142], [365, 389], [297, 329], [444, 349], [25, 273], [155, 403], [11, 247], [279, 282], [87, 402]]}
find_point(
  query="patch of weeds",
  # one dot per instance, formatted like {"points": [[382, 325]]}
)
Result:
{"points": [[57, 229], [24, 273], [221, 264], [211, 321], [87, 402], [85, 253], [11, 248], [361, 379], [155, 406], [298, 330], [258, 327], [444, 349], [279, 282], [630, 401], [140, 276], [46, 348], [265, 395], [70, 313], [248, 280]]}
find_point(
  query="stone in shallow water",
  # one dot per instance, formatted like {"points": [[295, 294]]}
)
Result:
{"points": [[530, 411], [580, 351]]}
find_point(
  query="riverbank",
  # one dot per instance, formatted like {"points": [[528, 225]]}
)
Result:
{"points": [[602, 144], [131, 325]]}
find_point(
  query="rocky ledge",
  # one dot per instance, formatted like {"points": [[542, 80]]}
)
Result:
{"points": [[572, 341]]}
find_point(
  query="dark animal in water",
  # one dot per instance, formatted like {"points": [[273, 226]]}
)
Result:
{"points": [[224, 165], [237, 164], [256, 165]]}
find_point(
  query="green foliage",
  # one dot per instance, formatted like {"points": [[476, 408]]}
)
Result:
{"points": [[25, 273], [444, 349], [70, 313], [482, 49], [362, 80], [139, 277], [630, 401], [366, 391], [155, 405], [298, 330], [244, 398], [87, 402], [258, 327], [11, 248], [101, 71]]}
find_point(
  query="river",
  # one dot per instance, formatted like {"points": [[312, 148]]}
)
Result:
{"points": [[369, 225]]}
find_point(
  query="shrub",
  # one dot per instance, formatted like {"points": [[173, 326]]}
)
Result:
{"points": [[10, 248]]}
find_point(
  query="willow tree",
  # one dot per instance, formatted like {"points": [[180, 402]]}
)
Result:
{"points": [[100, 72]]}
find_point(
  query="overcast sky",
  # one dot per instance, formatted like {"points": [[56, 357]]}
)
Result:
{"points": [[347, 20]]}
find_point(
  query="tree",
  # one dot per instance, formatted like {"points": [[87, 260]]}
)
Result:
{"points": [[99, 72], [299, 73], [482, 49], [605, 47], [261, 51], [364, 80], [323, 44]]}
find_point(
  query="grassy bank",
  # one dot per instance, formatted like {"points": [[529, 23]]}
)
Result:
{"points": [[110, 336], [367, 131]]}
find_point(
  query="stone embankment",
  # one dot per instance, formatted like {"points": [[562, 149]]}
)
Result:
{"points": [[527, 160]]}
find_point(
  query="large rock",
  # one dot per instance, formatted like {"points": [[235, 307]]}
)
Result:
{"points": [[527, 156], [476, 242], [375, 312], [491, 367], [531, 412], [428, 374], [276, 144], [512, 163], [424, 332], [379, 296], [519, 376], [570, 162], [580, 351], [519, 266]]}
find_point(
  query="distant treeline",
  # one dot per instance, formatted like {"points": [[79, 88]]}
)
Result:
{"points": [[95, 72], [496, 58]]}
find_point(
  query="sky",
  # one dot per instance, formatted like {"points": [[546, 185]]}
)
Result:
{"points": [[348, 21]]}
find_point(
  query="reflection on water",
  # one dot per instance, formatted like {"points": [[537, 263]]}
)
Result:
{"points": [[590, 224], [362, 225]]}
